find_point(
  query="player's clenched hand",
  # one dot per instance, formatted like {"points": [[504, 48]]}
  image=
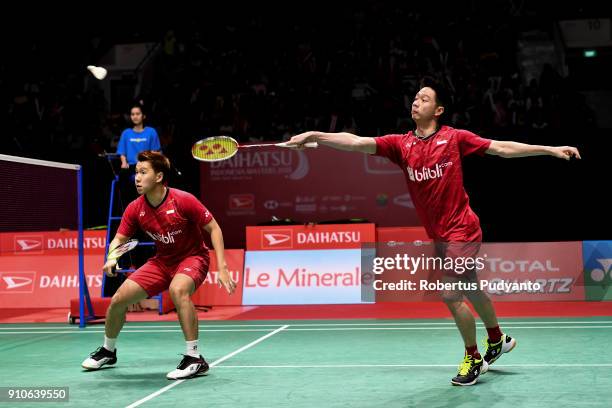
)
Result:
{"points": [[298, 141], [565, 152], [109, 268], [225, 280]]}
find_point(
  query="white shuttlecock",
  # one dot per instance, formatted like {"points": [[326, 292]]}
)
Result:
{"points": [[98, 72]]}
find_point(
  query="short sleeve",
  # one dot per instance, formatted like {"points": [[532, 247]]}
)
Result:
{"points": [[470, 143], [195, 211], [389, 146]]}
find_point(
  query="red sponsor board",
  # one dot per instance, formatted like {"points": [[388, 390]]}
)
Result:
{"points": [[398, 235], [209, 293], [241, 202], [404, 240], [393, 240], [17, 281], [530, 271], [556, 266], [296, 237], [41, 269], [308, 186], [52, 243]]}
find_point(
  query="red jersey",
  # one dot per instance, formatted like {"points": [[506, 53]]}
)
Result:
{"points": [[175, 224], [434, 175]]}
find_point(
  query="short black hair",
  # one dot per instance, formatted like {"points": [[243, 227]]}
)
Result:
{"points": [[139, 106], [159, 162], [443, 95]]}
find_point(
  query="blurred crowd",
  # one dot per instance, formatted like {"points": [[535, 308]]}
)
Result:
{"points": [[256, 77]]}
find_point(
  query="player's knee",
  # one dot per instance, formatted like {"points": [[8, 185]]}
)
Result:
{"points": [[452, 297], [477, 296], [119, 300], [453, 302], [178, 293]]}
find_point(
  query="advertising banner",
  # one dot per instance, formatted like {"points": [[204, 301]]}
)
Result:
{"points": [[41, 269], [527, 271], [296, 237], [307, 186], [302, 277], [598, 269]]}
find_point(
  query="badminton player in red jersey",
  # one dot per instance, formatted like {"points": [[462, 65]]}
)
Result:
{"points": [[176, 221], [430, 157]]}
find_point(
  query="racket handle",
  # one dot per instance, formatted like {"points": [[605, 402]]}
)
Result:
{"points": [[311, 145]]}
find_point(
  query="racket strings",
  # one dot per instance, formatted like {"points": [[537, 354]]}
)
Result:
{"points": [[122, 249], [214, 149]]}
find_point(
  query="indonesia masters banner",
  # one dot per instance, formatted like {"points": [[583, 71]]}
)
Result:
{"points": [[309, 186]]}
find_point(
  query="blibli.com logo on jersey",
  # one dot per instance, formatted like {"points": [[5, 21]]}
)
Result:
{"points": [[167, 238], [427, 173]]}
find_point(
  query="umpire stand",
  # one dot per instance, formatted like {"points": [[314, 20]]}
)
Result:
{"points": [[126, 264]]}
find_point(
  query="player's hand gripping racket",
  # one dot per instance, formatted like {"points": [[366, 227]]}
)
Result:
{"points": [[116, 253], [217, 148]]}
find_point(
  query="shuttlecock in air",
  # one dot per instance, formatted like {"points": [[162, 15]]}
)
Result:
{"points": [[98, 72]]}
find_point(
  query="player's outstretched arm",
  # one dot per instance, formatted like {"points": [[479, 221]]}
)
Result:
{"points": [[216, 237], [341, 141], [515, 149]]}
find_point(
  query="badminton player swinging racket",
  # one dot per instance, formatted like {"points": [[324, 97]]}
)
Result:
{"points": [[430, 157]]}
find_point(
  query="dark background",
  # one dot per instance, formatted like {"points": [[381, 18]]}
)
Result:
{"points": [[270, 71]]}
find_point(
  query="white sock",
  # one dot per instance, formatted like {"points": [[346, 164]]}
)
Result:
{"points": [[109, 344], [192, 348]]}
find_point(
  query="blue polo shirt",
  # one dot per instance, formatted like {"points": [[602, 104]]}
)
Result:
{"points": [[132, 143]]}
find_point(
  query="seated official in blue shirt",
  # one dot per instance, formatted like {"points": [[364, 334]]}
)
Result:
{"points": [[136, 139]]}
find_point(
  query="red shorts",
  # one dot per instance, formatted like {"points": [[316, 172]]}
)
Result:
{"points": [[155, 275], [461, 247]]}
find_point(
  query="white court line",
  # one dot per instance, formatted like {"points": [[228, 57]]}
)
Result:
{"points": [[443, 328], [448, 323], [302, 329], [136, 326], [131, 331], [407, 365], [214, 363]]}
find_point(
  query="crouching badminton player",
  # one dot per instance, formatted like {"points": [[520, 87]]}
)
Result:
{"points": [[176, 221]]}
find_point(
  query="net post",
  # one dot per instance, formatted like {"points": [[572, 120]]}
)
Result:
{"points": [[83, 290]]}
